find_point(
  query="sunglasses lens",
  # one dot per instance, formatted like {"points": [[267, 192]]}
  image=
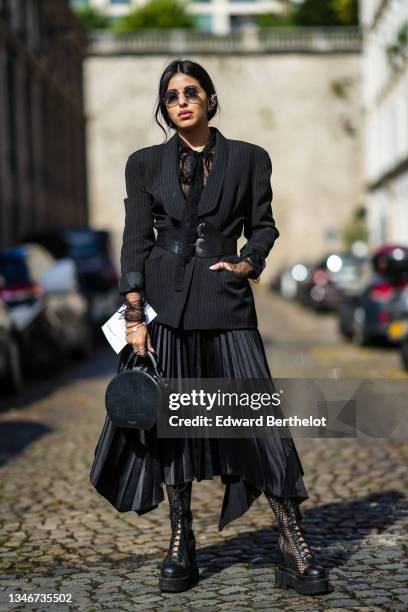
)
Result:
{"points": [[191, 94], [170, 98]]}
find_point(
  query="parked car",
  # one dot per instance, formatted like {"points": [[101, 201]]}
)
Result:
{"points": [[10, 358], [366, 314], [289, 280], [90, 249], [329, 279], [47, 310], [398, 326]]}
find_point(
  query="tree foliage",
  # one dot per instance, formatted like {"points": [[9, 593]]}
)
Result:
{"points": [[314, 13], [271, 20], [91, 18], [173, 14], [346, 11], [157, 14], [326, 13]]}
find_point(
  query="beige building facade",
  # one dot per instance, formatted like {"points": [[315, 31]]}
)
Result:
{"points": [[385, 95]]}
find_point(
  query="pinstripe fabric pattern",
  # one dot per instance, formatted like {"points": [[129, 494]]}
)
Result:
{"points": [[237, 197], [138, 234]]}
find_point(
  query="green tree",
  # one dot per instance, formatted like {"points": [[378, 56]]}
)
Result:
{"points": [[269, 20], [326, 13], [157, 14], [91, 18], [346, 11]]}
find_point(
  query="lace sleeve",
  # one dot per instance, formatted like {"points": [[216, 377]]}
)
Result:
{"points": [[254, 264], [135, 304]]}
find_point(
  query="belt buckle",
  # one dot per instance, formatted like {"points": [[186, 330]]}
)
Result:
{"points": [[199, 246], [199, 229], [200, 237]]}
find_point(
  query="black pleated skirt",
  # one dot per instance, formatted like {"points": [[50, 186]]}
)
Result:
{"points": [[131, 467]]}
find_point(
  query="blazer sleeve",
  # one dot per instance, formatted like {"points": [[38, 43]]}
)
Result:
{"points": [[259, 225], [138, 234]]}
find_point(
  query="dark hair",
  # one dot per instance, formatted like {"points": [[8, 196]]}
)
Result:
{"points": [[192, 69]]}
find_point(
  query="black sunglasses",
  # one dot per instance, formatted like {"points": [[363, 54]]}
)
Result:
{"points": [[191, 93]]}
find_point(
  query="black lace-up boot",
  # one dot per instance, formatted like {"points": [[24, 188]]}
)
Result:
{"points": [[179, 570], [297, 567]]}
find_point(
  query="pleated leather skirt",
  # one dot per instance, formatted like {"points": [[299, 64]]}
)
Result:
{"points": [[131, 467]]}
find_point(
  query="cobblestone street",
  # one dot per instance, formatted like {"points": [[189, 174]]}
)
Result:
{"points": [[60, 536]]}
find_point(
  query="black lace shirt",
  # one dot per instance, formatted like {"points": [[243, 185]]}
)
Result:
{"points": [[186, 168]]}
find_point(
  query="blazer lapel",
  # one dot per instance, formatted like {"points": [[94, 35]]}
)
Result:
{"points": [[212, 189], [170, 189]]}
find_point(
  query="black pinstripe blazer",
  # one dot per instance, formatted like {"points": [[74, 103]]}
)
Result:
{"points": [[237, 196]]}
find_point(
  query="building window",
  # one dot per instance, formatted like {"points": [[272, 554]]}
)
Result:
{"points": [[240, 22], [204, 22]]}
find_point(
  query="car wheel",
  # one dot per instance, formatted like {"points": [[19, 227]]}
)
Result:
{"points": [[48, 356], [14, 374], [344, 315], [86, 347], [359, 334], [404, 355]]}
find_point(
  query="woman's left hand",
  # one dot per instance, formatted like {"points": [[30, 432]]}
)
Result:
{"points": [[242, 268]]}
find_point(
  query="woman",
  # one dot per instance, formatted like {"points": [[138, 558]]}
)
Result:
{"points": [[199, 190]]}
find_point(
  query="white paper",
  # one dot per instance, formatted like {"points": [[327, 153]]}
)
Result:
{"points": [[115, 327]]}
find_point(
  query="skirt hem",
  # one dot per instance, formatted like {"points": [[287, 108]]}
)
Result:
{"points": [[226, 515], [131, 474]]}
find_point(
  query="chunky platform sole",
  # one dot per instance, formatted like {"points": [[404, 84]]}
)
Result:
{"points": [[285, 578], [176, 585]]}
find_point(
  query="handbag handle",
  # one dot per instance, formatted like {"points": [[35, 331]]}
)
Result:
{"points": [[156, 367]]}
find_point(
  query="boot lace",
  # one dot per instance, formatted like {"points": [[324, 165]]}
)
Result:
{"points": [[179, 518], [291, 540]]}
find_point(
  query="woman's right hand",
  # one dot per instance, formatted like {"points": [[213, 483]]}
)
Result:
{"points": [[139, 338]]}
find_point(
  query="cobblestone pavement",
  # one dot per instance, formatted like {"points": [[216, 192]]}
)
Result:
{"points": [[60, 536]]}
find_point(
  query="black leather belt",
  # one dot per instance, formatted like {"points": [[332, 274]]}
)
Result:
{"points": [[210, 242]]}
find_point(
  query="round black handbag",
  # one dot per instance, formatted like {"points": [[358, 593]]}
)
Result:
{"points": [[134, 396]]}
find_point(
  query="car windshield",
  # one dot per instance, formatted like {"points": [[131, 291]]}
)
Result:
{"points": [[350, 268]]}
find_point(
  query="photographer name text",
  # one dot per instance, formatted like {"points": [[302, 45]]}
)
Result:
{"points": [[260, 421]]}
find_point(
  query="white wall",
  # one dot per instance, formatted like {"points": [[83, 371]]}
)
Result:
{"points": [[385, 99]]}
